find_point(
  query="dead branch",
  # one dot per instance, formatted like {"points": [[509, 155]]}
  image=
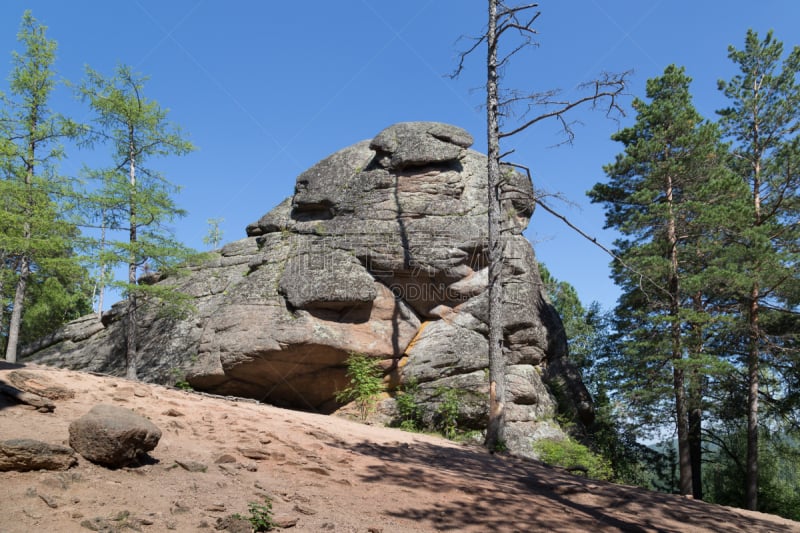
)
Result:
{"points": [[609, 87], [463, 55], [642, 277]]}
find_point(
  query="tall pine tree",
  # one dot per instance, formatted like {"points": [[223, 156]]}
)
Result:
{"points": [[35, 241], [132, 196], [763, 120], [662, 195]]}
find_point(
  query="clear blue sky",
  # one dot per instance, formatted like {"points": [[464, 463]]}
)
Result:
{"points": [[267, 88]]}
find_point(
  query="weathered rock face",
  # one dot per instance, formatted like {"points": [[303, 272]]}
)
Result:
{"points": [[24, 455], [381, 250]]}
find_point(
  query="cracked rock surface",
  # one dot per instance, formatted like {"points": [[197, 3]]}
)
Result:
{"points": [[380, 250]]}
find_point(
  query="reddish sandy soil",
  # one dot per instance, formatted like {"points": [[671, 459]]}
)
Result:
{"points": [[323, 474]]}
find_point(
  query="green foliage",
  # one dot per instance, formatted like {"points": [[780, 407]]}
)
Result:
{"points": [[408, 407], [580, 324], [677, 205], [179, 377], [214, 236], [131, 197], [366, 383], [447, 411], [36, 235], [55, 295], [260, 516], [762, 120], [575, 457], [779, 472], [499, 447], [686, 323], [184, 385], [590, 334]]}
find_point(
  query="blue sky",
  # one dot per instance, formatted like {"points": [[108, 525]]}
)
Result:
{"points": [[265, 89]]}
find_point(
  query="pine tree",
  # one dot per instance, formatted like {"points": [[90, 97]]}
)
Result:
{"points": [[214, 236], [763, 120], [133, 197], [35, 237], [663, 197]]}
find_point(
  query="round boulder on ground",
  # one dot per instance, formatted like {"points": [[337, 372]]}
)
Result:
{"points": [[113, 436]]}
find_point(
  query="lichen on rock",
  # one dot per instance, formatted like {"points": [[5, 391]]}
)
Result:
{"points": [[381, 244]]}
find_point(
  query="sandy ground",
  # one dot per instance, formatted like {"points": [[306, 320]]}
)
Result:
{"points": [[322, 473]]}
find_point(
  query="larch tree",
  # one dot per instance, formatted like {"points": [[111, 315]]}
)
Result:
{"points": [[763, 121], [213, 237], [510, 29], [663, 195], [132, 197], [35, 237]]}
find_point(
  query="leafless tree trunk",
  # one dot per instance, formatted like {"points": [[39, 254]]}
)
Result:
{"points": [[517, 20], [3, 266], [497, 381]]}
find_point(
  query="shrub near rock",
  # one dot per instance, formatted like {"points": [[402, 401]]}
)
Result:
{"points": [[381, 250], [112, 436]]}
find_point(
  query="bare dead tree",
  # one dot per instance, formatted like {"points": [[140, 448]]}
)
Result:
{"points": [[513, 26]]}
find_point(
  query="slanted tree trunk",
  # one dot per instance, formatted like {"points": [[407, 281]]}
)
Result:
{"points": [[497, 382], [15, 322]]}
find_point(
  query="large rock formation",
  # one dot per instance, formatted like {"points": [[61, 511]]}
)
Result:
{"points": [[381, 250]]}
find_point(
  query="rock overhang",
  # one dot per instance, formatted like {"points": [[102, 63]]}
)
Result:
{"points": [[381, 244]]}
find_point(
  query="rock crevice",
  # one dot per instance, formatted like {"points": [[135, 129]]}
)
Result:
{"points": [[381, 244]]}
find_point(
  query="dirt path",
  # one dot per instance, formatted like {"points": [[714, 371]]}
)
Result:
{"points": [[322, 473]]}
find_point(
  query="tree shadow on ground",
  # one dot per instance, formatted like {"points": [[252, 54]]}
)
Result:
{"points": [[503, 493]]}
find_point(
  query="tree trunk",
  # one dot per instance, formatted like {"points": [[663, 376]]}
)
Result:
{"points": [[101, 282], [751, 468], [16, 311], [678, 376], [497, 383], [695, 405], [751, 475], [2, 302], [132, 353], [696, 445], [15, 322]]}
